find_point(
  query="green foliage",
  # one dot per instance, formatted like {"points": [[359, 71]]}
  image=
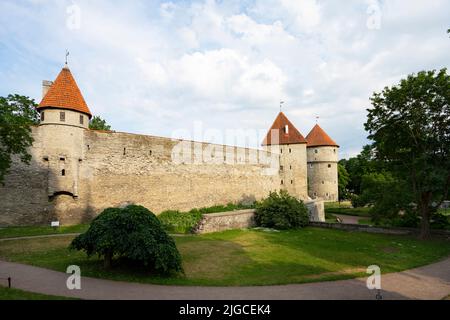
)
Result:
{"points": [[343, 180], [410, 126], [281, 211], [17, 114], [440, 221], [98, 123], [184, 222], [133, 233], [179, 222], [358, 166]]}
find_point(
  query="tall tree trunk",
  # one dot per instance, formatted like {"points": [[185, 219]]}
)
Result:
{"points": [[424, 207]]}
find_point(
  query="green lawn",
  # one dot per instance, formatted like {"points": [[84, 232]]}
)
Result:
{"points": [[16, 294], [12, 232], [250, 257]]}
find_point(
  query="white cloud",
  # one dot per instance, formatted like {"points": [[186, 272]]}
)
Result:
{"points": [[160, 66]]}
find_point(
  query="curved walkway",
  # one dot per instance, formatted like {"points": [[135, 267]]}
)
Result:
{"points": [[428, 282]]}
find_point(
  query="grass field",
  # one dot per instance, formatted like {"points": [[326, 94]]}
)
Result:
{"points": [[250, 257], [15, 294]]}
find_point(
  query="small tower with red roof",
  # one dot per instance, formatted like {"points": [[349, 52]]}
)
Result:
{"points": [[322, 155], [284, 139], [64, 119]]}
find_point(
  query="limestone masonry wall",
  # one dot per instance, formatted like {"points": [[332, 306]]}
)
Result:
{"points": [[104, 169]]}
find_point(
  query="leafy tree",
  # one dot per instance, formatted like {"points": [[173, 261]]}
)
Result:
{"points": [[98, 123], [358, 166], [133, 233], [17, 114], [281, 211], [410, 126], [343, 180]]}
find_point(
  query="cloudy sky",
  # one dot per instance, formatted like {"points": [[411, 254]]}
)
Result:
{"points": [[170, 68]]}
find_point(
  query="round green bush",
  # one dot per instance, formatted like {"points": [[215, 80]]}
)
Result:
{"points": [[133, 233], [281, 211]]}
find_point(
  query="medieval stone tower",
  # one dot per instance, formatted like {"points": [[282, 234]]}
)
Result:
{"points": [[322, 156], [64, 118], [283, 138]]}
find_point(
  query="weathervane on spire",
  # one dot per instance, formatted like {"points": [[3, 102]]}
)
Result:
{"points": [[281, 104], [67, 54]]}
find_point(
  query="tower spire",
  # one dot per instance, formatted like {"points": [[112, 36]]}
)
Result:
{"points": [[67, 54]]}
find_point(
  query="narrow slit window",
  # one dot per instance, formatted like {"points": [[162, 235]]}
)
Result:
{"points": [[124, 151], [292, 181], [282, 182], [81, 119], [63, 172], [62, 116], [329, 166], [42, 116]]}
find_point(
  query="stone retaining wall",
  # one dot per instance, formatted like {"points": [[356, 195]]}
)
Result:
{"points": [[242, 219]]}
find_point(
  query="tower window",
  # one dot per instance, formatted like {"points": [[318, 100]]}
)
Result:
{"points": [[316, 151], [292, 181], [281, 150], [62, 159], [334, 150], [282, 182], [42, 116], [62, 116], [150, 152], [290, 167], [281, 168], [124, 151], [323, 182], [63, 172], [310, 165], [329, 166], [290, 150], [81, 119]]}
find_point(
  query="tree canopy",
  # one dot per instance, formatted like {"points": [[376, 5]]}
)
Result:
{"points": [[98, 123], [133, 233], [17, 114], [410, 126]]}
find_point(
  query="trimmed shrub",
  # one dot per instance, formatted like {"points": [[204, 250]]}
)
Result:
{"points": [[133, 233], [281, 211]]}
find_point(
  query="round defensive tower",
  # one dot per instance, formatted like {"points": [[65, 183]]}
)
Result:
{"points": [[322, 158], [64, 119]]}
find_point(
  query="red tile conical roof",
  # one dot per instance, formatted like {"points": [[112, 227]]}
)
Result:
{"points": [[292, 136], [319, 138], [65, 94]]}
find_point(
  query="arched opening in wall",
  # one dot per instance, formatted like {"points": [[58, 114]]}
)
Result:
{"points": [[60, 193]]}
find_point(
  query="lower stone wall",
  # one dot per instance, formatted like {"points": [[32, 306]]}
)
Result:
{"points": [[216, 222], [243, 219]]}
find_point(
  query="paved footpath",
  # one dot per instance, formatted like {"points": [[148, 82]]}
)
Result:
{"points": [[349, 219], [428, 282]]}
